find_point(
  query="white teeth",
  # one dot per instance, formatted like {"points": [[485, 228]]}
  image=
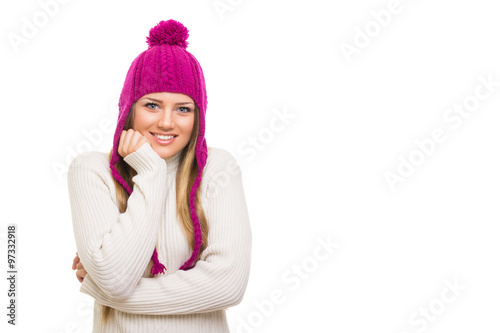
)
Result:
{"points": [[163, 137]]}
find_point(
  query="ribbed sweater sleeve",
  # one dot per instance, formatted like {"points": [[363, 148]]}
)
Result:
{"points": [[115, 247], [220, 277]]}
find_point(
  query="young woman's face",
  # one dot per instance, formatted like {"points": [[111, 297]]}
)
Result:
{"points": [[160, 115]]}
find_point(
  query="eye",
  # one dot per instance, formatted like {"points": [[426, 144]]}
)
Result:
{"points": [[148, 104], [184, 108]]}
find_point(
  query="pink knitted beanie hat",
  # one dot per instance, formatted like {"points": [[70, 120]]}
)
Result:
{"points": [[166, 66]]}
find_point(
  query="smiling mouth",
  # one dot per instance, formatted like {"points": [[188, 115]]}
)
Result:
{"points": [[164, 137]]}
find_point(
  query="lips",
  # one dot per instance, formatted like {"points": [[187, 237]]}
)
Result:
{"points": [[164, 142], [166, 134]]}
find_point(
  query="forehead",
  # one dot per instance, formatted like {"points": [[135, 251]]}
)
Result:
{"points": [[167, 97]]}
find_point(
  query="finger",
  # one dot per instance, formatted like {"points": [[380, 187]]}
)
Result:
{"points": [[80, 274], [75, 261], [139, 144], [134, 140], [126, 141], [120, 143], [79, 265]]}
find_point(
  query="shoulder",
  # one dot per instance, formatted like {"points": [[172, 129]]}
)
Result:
{"points": [[220, 160], [92, 161], [90, 172]]}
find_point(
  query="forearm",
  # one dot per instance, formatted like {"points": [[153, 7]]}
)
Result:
{"points": [[115, 247], [205, 288]]}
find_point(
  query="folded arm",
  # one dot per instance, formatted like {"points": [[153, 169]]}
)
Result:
{"points": [[220, 277], [115, 247]]}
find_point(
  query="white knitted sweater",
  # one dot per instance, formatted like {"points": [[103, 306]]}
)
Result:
{"points": [[116, 248]]}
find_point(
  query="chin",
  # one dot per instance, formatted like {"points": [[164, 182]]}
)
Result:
{"points": [[165, 153]]}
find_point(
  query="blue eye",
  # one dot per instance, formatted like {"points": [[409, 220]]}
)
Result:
{"points": [[182, 108], [148, 104]]}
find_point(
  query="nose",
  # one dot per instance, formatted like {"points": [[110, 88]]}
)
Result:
{"points": [[166, 120]]}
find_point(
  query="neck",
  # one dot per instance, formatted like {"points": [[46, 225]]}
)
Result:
{"points": [[172, 162]]}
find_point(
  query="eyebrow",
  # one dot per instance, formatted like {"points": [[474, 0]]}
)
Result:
{"points": [[161, 102]]}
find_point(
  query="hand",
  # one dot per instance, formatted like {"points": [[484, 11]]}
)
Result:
{"points": [[81, 272], [131, 141]]}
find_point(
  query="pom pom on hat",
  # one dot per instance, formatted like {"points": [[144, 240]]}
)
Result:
{"points": [[169, 32]]}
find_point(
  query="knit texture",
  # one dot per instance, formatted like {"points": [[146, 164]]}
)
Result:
{"points": [[166, 66], [115, 248]]}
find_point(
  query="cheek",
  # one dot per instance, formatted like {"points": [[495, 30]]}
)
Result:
{"points": [[143, 119], [186, 124]]}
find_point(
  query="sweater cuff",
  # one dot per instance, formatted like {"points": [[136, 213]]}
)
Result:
{"points": [[89, 287], [144, 159]]}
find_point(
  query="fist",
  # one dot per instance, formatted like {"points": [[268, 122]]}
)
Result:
{"points": [[131, 141], [81, 272]]}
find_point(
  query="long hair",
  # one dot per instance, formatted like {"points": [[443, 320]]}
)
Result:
{"points": [[187, 171]]}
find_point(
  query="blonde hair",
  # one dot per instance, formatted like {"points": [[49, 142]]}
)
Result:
{"points": [[187, 171]]}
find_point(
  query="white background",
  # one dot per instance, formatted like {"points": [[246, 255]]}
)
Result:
{"points": [[352, 119]]}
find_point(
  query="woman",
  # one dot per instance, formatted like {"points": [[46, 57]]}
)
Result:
{"points": [[163, 244]]}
